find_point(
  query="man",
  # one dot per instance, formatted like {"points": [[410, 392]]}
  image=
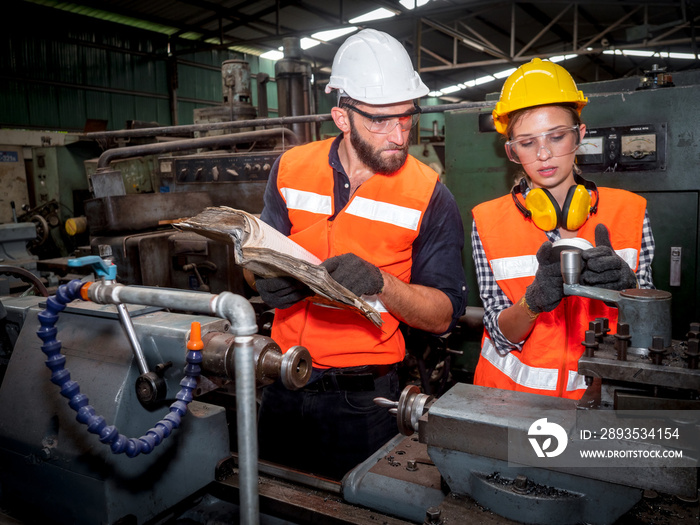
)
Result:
{"points": [[386, 229]]}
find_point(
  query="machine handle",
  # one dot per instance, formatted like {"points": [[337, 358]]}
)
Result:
{"points": [[102, 268], [109, 435]]}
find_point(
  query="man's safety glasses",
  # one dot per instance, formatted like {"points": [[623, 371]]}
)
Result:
{"points": [[384, 124], [557, 142]]}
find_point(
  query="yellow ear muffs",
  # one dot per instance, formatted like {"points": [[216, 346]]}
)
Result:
{"points": [[543, 208], [544, 211], [576, 208]]}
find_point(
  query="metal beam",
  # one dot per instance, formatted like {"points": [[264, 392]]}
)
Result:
{"points": [[542, 32], [527, 58]]}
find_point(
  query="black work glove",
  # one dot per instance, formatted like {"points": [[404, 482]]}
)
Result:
{"points": [[282, 292], [547, 290], [603, 268], [355, 274]]}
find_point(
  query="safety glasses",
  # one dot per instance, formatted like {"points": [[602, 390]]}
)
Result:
{"points": [[557, 142], [383, 124]]}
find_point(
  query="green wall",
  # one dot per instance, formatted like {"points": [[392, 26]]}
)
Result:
{"points": [[61, 70]]}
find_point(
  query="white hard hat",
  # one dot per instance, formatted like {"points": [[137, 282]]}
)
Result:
{"points": [[374, 68]]}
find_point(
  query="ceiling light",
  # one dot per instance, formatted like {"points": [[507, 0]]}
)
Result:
{"points": [[560, 58], [450, 89], [435, 94], [504, 74], [331, 34], [687, 56], [273, 55], [411, 4], [306, 42], [377, 14], [635, 53], [484, 80]]}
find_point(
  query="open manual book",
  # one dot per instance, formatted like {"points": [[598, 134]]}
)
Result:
{"points": [[267, 253]]}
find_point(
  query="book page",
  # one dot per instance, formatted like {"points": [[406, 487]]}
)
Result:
{"points": [[268, 253]]}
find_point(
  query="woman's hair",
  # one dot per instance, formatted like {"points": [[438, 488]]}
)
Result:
{"points": [[517, 115]]}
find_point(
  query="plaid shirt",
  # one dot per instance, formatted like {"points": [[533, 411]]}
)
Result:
{"points": [[495, 300]]}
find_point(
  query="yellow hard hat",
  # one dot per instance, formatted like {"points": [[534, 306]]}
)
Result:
{"points": [[536, 83]]}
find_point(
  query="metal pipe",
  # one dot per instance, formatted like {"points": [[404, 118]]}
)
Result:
{"points": [[232, 307], [279, 121], [187, 144], [247, 430], [234, 124], [473, 317]]}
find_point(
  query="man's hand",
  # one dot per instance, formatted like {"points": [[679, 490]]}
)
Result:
{"points": [[356, 274], [603, 267], [547, 290], [282, 292]]}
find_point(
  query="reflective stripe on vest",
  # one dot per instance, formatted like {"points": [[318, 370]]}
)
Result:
{"points": [[307, 201], [385, 212], [526, 265], [529, 376], [575, 382]]}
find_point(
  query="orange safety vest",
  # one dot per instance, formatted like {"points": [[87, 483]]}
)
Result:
{"points": [[548, 361], [379, 224]]}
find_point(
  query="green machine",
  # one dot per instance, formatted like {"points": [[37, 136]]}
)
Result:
{"points": [[641, 137]]}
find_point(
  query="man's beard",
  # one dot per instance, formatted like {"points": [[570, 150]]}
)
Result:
{"points": [[372, 158]]}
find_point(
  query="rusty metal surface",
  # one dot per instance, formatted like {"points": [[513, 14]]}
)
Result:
{"points": [[142, 211]]}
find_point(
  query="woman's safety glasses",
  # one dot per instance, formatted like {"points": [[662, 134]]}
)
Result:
{"points": [[557, 142], [384, 124]]}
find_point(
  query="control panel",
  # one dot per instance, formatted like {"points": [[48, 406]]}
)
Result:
{"points": [[623, 148], [210, 168]]}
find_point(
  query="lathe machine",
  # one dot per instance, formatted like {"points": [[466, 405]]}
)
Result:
{"points": [[83, 370], [120, 351]]}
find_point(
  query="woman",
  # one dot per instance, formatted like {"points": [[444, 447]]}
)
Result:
{"points": [[532, 332]]}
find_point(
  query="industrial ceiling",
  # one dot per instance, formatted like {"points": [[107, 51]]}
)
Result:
{"points": [[462, 48]]}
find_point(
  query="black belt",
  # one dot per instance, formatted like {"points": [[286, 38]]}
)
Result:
{"points": [[353, 379]]}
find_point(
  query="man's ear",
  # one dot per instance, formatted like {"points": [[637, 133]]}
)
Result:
{"points": [[341, 119]]}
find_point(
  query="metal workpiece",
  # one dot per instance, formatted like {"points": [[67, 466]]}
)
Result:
{"points": [[293, 367], [571, 266], [647, 312], [408, 409], [235, 308]]}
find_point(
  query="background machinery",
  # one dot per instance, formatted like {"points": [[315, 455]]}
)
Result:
{"points": [[126, 338]]}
